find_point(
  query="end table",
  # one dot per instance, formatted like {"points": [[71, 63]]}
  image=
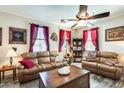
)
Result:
{"points": [[2, 70]]}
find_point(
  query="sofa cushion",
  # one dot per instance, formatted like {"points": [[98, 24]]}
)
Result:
{"points": [[90, 64], [107, 68], [29, 55], [43, 60], [47, 66], [35, 60], [34, 70], [43, 54], [108, 61], [109, 55], [92, 54], [96, 59], [58, 64], [53, 53], [52, 59], [27, 63]]}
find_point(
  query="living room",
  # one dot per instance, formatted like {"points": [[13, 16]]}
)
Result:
{"points": [[22, 27]]}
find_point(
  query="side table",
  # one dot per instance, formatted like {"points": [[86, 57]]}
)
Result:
{"points": [[3, 70]]}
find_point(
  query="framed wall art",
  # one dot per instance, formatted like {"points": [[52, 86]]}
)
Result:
{"points": [[114, 34], [0, 36], [17, 35], [54, 37]]}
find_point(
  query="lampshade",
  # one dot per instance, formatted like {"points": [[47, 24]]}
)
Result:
{"points": [[11, 53]]}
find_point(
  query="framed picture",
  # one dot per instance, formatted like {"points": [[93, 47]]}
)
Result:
{"points": [[114, 34], [54, 37], [17, 35], [0, 36]]}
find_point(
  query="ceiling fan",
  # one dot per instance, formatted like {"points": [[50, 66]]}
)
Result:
{"points": [[83, 15]]}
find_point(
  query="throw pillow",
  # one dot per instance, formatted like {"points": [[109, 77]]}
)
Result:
{"points": [[59, 58], [92, 54], [27, 63]]}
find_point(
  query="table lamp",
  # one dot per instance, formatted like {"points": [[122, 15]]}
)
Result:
{"points": [[11, 53]]}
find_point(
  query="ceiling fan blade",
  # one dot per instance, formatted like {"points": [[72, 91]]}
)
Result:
{"points": [[72, 20], [74, 25], [64, 20], [106, 14], [82, 11]]}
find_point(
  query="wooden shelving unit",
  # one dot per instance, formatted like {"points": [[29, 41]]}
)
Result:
{"points": [[77, 50]]}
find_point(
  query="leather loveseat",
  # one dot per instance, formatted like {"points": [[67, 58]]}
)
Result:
{"points": [[105, 63], [44, 60]]}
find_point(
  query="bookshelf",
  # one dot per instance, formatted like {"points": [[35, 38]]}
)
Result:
{"points": [[77, 50]]}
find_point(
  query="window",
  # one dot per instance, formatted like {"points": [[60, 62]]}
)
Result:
{"points": [[40, 44], [89, 44]]}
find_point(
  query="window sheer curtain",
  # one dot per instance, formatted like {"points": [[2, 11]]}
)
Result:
{"points": [[68, 35]]}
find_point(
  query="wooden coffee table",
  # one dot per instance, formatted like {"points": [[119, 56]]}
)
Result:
{"points": [[78, 78]]}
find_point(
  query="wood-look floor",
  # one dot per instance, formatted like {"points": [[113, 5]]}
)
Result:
{"points": [[96, 81]]}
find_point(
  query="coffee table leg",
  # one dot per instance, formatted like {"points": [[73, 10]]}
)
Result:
{"points": [[0, 77], [14, 74], [3, 75]]}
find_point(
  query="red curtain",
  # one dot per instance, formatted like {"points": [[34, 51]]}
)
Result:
{"points": [[33, 36], [46, 34], [85, 36], [68, 35], [61, 39], [94, 36]]}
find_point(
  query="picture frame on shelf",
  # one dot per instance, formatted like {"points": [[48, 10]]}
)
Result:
{"points": [[114, 34], [74, 43], [79, 43], [17, 35], [0, 36]]}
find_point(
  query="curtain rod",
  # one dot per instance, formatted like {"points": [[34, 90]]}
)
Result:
{"points": [[39, 25], [89, 29]]}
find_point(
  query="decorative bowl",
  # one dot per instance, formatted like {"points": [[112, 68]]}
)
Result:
{"points": [[64, 70]]}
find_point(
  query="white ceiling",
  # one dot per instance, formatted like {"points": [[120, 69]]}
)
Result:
{"points": [[53, 13]]}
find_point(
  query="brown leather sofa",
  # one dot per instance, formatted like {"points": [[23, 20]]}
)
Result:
{"points": [[44, 60], [105, 63]]}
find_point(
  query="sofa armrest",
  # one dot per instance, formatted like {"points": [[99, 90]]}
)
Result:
{"points": [[118, 73], [120, 65], [20, 67]]}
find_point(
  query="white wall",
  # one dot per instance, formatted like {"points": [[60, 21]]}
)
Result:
{"points": [[6, 22], [78, 33], [9, 20], [115, 46]]}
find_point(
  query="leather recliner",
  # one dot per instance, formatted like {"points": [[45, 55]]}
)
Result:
{"points": [[45, 61], [105, 63]]}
